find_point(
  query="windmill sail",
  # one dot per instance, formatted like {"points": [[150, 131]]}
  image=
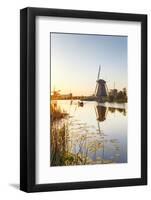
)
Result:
{"points": [[97, 79], [99, 72]]}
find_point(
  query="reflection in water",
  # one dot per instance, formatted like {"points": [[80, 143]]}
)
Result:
{"points": [[121, 110], [101, 113], [89, 137]]}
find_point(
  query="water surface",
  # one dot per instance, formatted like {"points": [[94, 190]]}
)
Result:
{"points": [[94, 133]]}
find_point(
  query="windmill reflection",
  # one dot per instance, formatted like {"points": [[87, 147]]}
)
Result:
{"points": [[101, 113], [110, 151]]}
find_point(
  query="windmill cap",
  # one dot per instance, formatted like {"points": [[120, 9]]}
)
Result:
{"points": [[101, 81]]}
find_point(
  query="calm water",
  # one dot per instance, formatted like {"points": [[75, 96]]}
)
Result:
{"points": [[97, 133]]}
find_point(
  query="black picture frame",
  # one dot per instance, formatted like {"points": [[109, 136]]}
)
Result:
{"points": [[28, 99]]}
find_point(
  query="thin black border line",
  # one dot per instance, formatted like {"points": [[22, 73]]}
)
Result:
{"points": [[90, 34], [27, 98]]}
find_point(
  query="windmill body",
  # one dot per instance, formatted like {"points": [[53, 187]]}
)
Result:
{"points": [[101, 90]]}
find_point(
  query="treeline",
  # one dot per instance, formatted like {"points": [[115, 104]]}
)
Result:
{"points": [[118, 96]]}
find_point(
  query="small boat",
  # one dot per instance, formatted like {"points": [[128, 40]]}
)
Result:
{"points": [[80, 103]]}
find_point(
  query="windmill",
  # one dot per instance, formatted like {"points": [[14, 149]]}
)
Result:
{"points": [[101, 90]]}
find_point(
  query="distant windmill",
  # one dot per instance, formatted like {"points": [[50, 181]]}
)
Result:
{"points": [[101, 90]]}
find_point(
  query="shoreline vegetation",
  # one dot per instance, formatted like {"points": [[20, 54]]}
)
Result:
{"points": [[56, 112], [61, 154]]}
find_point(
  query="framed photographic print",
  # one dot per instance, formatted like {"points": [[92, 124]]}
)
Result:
{"points": [[83, 99]]}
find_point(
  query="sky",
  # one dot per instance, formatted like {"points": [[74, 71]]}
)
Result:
{"points": [[75, 60]]}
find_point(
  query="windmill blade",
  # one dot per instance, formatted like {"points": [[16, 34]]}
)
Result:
{"points": [[107, 89], [99, 72], [95, 90]]}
